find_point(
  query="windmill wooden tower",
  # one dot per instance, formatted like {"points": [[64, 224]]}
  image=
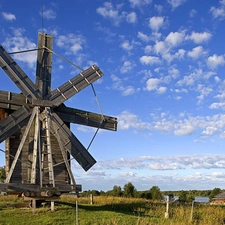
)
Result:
{"points": [[35, 126]]}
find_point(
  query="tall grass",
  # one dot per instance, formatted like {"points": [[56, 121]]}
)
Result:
{"points": [[109, 211]]}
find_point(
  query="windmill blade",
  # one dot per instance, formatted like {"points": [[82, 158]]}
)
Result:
{"points": [[82, 117], [75, 85], [14, 122], [70, 142], [18, 76], [10, 100]]}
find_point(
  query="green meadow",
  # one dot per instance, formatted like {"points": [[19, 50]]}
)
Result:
{"points": [[108, 211]]}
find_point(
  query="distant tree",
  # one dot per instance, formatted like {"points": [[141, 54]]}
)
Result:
{"points": [[117, 191], [95, 193], [155, 193], [102, 193], [183, 196], [129, 190], [2, 174], [215, 192]]}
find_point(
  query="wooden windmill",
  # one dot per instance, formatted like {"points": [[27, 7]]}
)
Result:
{"points": [[35, 126]]}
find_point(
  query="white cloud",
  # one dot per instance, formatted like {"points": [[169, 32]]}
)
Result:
{"points": [[118, 85], [176, 3], [192, 78], [152, 84], [48, 14], [159, 8], [215, 61], [156, 22], [179, 162], [149, 60], [182, 125], [19, 42], [217, 105], [143, 37], [126, 45], [198, 38], [137, 3], [175, 38], [131, 17], [184, 129], [108, 11], [197, 52], [192, 13], [8, 16], [127, 66], [161, 90], [219, 12], [210, 131], [71, 43], [148, 49]]}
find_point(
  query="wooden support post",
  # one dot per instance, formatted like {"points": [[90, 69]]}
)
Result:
{"points": [[91, 199], [33, 205], [167, 207], [52, 206]]}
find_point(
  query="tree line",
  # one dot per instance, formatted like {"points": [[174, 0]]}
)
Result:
{"points": [[154, 193]]}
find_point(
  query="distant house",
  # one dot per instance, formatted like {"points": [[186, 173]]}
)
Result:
{"points": [[218, 199]]}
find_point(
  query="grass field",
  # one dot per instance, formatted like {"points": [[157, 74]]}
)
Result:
{"points": [[107, 211]]}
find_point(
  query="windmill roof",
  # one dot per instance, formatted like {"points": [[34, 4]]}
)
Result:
{"points": [[220, 196]]}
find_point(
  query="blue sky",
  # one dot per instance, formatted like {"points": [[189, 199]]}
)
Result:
{"points": [[163, 63]]}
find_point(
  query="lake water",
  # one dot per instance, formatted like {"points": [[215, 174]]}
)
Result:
{"points": [[202, 199]]}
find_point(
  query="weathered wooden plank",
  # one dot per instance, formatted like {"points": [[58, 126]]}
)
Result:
{"points": [[75, 85], [86, 118], [71, 143], [14, 122]]}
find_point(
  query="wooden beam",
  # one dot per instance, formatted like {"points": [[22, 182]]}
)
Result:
{"points": [[44, 63]]}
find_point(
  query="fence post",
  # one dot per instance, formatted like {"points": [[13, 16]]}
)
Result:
{"points": [[76, 213], [91, 199], [192, 209], [167, 207]]}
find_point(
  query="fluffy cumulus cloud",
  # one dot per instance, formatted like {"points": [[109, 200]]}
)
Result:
{"points": [[138, 3], [176, 3], [72, 43], [108, 11], [215, 60], [8, 16], [48, 14], [126, 45], [197, 52], [166, 162], [198, 38], [19, 42], [175, 38], [131, 17], [218, 12], [149, 60], [143, 36], [118, 84], [156, 22], [115, 14], [152, 84], [183, 125], [127, 66]]}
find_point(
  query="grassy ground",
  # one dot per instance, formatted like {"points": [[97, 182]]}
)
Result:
{"points": [[107, 211]]}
